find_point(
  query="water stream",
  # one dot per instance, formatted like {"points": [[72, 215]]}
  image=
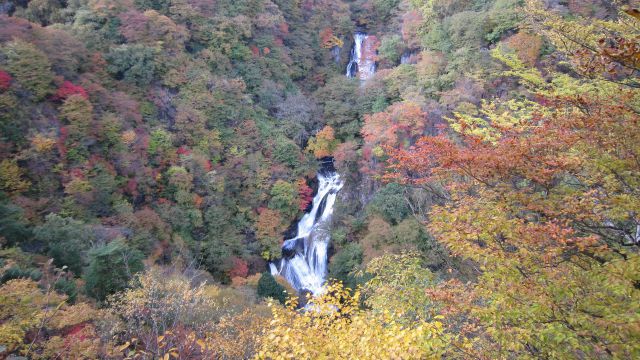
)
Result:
{"points": [[305, 257]]}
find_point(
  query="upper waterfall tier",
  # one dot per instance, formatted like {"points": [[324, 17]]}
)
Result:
{"points": [[362, 61]]}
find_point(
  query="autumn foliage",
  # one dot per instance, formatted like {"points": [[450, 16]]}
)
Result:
{"points": [[67, 89], [543, 200], [323, 143], [5, 80]]}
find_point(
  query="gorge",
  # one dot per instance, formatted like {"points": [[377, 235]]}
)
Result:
{"points": [[305, 257]]}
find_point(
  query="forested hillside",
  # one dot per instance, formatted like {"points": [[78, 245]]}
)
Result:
{"points": [[470, 167]]}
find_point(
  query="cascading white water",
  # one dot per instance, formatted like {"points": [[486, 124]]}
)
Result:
{"points": [[305, 262], [359, 63]]}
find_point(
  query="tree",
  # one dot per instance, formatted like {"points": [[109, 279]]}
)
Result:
{"points": [[269, 229], [5, 80], [111, 267], [67, 241], [397, 286], [305, 194], [40, 324], [132, 63], [295, 115], [284, 199], [14, 229], [390, 49], [527, 46], [151, 28], [67, 89], [391, 203], [323, 143], [398, 124], [344, 262], [44, 12], [77, 112], [30, 67], [158, 304], [535, 190], [338, 101], [11, 178]]}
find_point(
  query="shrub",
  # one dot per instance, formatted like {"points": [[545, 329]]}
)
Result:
{"points": [[68, 287], [18, 273], [344, 262], [268, 287], [111, 267]]}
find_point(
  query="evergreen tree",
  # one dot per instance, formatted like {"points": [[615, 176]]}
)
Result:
{"points": [[111, 267], [268, 287]]}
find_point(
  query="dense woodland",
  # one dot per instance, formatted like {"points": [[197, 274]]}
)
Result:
{"points": [[155, 153]]}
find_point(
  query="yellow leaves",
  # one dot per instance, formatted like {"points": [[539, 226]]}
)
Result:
{"points": [[334, 327], [77, 186], [496, 118], [124, 346], [328, 39], [77, 111], [42, 144], [324, 143], [128, 137], [73, 314], [23, 307], [11, 177], [201, 344]]}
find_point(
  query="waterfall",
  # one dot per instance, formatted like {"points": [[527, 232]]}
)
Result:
{"points": [[304, 262], [409, 57], [361, 62]]}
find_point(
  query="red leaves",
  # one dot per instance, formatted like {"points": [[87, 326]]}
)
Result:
{"points": [[284, 28], [5, 80], [305, 194], [537, 155], [239, 268], [132, 187], [67, 89], [183, 151], [398, 123]]}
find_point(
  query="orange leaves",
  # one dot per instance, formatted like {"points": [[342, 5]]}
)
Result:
{"points": [[268, 223], [527, 46], [269, 228], [535, 173], [324, 143], [540, 156], [397, 126], [328, 39]]}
